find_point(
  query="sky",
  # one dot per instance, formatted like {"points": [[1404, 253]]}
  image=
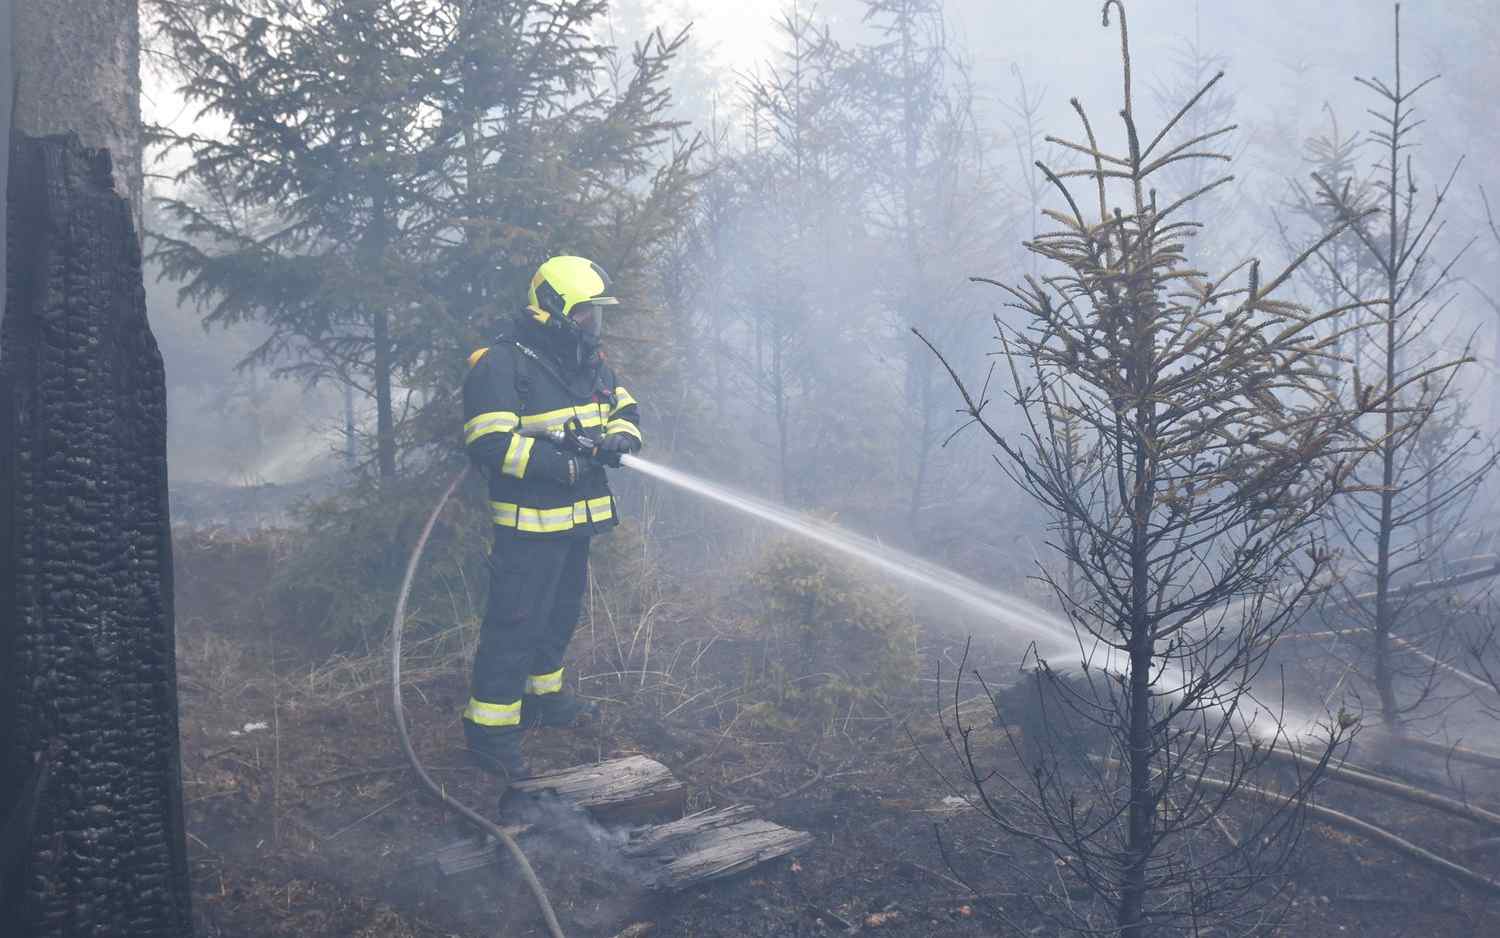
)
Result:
{"points": [[1056, 37]]}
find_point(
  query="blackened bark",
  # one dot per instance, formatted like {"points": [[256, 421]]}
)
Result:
{"points": [[86, 628], [7, 112]]}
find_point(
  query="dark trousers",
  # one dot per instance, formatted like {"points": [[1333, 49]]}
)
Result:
{"points": [[536, 594]]}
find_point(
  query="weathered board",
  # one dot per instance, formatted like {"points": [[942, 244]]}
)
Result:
{"points": [[470, 853], [634, 788], [678, 836], [618, 795], [710, 845]]}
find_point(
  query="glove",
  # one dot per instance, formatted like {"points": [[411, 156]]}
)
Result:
{"points": [[577, 448], [566, 470], [615, 445], [572, 438]]}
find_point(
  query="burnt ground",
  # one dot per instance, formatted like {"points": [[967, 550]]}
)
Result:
{"points": [[312, 824]]}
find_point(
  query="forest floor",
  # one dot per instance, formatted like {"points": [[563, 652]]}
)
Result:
{"points": [[303, 818]]}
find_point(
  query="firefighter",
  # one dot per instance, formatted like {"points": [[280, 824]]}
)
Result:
{"points": [[544, 415]]}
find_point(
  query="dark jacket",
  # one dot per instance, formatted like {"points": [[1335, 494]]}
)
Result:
{"points": [[517, 383]]}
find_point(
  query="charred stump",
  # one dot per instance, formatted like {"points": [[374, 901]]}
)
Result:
{"points": [[90, 782]]}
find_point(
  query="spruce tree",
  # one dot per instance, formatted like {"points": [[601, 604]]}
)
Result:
{"points": [[407, 167]]}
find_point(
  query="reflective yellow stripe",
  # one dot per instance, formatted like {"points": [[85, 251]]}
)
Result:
{"points": [[595, 509], [517, 456], [490, 714], [551, 520], [496, 421], [622, 401], [621, 425], [545, 683], [534, 520], [589, 415]]}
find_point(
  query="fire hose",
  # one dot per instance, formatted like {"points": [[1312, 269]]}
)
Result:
{"points": [[469, 814]]}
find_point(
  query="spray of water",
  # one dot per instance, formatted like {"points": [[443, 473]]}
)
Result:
{"points": [[1019, 618], [1055, 637]]}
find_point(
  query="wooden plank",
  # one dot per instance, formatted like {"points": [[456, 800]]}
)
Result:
{"points": [[723, 851], [674, 855], [468, 853], [677, 837], [634, 788]]}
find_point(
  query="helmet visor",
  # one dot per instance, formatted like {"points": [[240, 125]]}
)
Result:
{"points": [[588, 316]]}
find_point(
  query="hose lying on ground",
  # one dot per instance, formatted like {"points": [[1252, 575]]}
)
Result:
{"points": [[1478, 683], [1371, 832], [469, 814], [1444, 751], [1386, 786]]}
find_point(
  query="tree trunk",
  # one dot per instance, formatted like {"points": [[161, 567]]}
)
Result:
{"points": [[1494, 414], [385, 423], [1141, 815], [78, 70], [350, 452], [925, 408], [778, 394], [7, 104], [1384, 614], [88, 712]]}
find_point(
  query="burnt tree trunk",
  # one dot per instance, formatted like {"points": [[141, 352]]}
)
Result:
{"points": [[86, 628], [78, 70]]}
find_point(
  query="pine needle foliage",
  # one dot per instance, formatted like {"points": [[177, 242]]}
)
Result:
{"points": [[375, 184], [839, 646], [408, 164]]}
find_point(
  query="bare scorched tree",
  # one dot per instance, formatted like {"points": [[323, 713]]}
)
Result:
{"points": [[1400, 520], [1185, 434]]}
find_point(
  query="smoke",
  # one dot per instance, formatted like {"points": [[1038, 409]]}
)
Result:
{"points": [[573, 845]]}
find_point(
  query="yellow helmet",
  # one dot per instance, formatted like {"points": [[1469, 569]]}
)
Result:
{"points": [[563, 283]]}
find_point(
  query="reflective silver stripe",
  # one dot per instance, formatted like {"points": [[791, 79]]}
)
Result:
{"points": [[589, 415], [517, 456], [534, 520], [620, 425], [545, 683], [622, 401], [491, 714], [496, 421], [551, 520], [595, 509], [503, 513]]}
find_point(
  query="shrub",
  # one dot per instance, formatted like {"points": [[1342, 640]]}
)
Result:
{"points": [[838, 645], [345, 566]]}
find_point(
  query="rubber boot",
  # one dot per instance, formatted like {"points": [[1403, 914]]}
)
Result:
{"points": [[560, 709], [496, 751]]}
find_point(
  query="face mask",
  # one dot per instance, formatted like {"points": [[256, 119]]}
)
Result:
{"points": [[588, 323]]}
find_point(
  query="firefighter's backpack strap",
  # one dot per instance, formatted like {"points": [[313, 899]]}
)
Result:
{"points": [[522, 372]]}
